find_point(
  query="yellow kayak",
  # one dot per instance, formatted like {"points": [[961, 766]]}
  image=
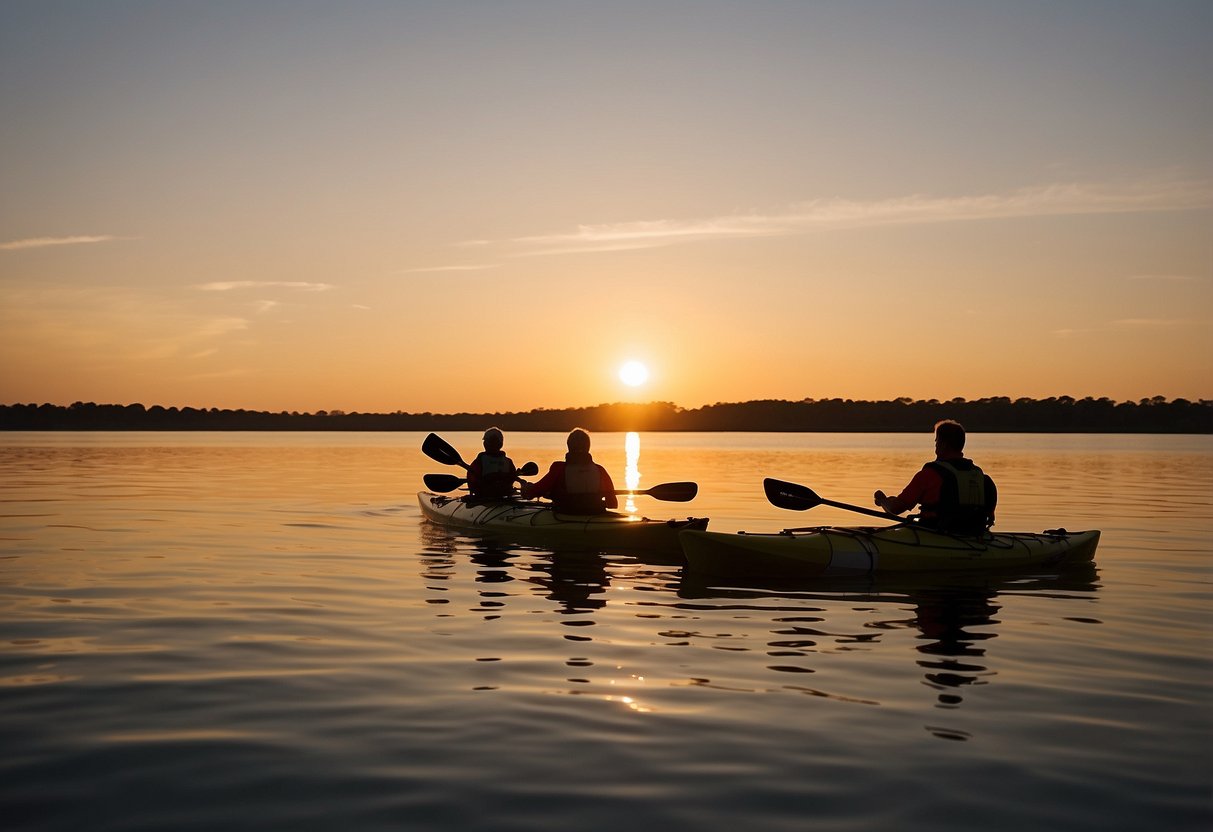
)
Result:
{"points": [[841, 551], [536, 524]]}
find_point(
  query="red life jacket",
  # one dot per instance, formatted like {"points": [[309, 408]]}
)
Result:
{"points": [[967, 498], [579, 490]]}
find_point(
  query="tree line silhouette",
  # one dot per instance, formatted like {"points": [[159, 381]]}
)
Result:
{"points": [[1061, 414]]}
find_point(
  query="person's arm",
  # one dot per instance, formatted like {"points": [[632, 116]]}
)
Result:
{"points": [[474, 475], [893, 505], [544, 487], [991, 499], [910, 496], [607, 487]]}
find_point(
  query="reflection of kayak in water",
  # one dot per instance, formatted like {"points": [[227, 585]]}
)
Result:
{"points": [[895, 587], [838, 550], [537, 524]]}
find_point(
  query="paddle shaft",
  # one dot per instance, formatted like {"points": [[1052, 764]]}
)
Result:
{"points": [[674, 492], [860, 510]]}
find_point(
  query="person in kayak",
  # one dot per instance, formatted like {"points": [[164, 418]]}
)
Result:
{"points": [[578, 485], [955, 495], [491, 475]]}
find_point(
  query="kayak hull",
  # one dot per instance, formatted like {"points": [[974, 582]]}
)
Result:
{"points": [[844, 551], [537, 524]]}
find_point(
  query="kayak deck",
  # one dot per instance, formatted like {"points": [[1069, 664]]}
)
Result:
{"points": [[840, 551], [538, 524]]}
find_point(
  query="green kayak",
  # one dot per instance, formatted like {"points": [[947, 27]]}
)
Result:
{"points": [[840, 551], [536, 524]]}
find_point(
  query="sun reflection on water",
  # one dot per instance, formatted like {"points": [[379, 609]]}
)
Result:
{"points": [[631, 446], [628, 701]]}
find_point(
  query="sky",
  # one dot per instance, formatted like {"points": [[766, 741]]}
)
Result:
{"points": [[492, 206]]}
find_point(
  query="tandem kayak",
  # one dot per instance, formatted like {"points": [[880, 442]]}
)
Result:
{"points": [[537, 524], [841, 551]]}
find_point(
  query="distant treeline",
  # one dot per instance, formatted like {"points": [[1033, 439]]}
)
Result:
{"points": [[1062, 414]]}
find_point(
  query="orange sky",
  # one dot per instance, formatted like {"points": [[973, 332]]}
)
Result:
{"points": [[442, 207]]}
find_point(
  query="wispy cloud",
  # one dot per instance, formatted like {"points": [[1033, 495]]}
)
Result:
{"points": [[191, 339], [217, 327], [46, 242], [1069, 199], [474, 268], [230, 285], [1151, 322], [234, 372], [110, 326], [1129, 323]]}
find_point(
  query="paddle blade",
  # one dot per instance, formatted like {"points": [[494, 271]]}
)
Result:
{"points": [[673, 492], [789, 495], [439, 450], [529, 469], [442, 483]]}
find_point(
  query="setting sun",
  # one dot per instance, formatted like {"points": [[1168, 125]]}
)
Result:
{"points": [[633, 374]]}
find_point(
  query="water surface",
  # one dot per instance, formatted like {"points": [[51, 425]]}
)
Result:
{"points": [[225, 631]]}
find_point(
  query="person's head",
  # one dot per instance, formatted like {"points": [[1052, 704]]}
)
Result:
{"points": [[949, 436], [579, 441], [493, 439]]}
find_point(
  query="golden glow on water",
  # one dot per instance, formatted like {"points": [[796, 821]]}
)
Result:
{"points": [[628, 700], [173, 603], [633, 705], [631, 475]]}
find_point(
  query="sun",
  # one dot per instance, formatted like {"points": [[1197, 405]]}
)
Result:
{"points": [[633, 373]]}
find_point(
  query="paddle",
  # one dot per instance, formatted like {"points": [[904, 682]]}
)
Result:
{"points": [[449, 482], [672, 492], [439, 450], [443, 483], [789, 495]]}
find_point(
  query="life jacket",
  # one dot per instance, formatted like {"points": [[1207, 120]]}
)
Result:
{"points": [[580, 489], [967, 498], [497, 474]]}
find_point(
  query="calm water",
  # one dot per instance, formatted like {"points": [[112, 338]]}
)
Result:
{"points": [[225, 631]]}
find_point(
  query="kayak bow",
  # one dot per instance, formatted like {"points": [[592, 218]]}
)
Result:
{"points": [[537, 524]]}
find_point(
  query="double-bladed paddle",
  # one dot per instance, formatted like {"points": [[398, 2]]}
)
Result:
{"points": [[439, 450], [796, 497], [673, 492], [443, 483], [449, 482]]}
